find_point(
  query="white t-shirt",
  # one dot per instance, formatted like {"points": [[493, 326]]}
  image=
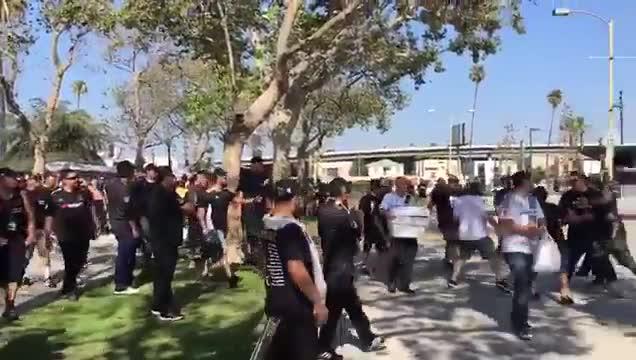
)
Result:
{"points": [[522, 210], [470, 211]]}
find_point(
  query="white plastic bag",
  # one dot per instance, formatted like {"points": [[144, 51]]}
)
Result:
{"points": [[547, 257]]}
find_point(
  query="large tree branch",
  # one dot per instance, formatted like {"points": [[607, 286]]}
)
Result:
{"points": [[228, 43], [13, 106], [335, 21]]}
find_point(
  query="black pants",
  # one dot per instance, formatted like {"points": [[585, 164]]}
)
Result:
{"points": [[344, 299], [521, 269], [165, 263], [598, 260], [295, 339], [126, 255], [75, 253], [401, 268]]}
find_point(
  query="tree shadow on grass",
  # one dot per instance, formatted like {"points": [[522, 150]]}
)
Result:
{"points": [[37, 342]]}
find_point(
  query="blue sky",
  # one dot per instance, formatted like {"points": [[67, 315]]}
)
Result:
{"points": [[552, 54]]}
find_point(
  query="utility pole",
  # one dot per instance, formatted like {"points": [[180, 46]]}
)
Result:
{"points": [[523, 156], [620, 107]]}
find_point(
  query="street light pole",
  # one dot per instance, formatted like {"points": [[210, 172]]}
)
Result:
{"points": [[609, 153]]}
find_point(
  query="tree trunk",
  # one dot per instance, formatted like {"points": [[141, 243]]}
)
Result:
{"points": [[547, 155], [169, 151], [139, 154], [232, 151], [3, 114], [42, 145], [39, 159], [79, 97], [285, 122]]}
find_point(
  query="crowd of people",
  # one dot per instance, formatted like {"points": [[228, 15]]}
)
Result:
{"points": [[308, 284]]}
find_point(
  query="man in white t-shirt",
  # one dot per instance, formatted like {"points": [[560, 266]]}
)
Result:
{"points": [[522, 223], [472, 216]]}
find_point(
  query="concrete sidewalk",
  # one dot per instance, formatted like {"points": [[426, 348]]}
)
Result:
{"points": [[471, 322], [99, 271]]}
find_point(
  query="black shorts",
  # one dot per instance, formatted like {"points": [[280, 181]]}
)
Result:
{"points": [[12, 261], [464, 249]]}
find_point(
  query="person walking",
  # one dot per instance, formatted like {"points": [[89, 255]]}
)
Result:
{"points": [[472, 216], [373, 228], [124, 226], [521, 222], [442, 197], [17, 232], [294, 282], [71, 219], [404, 249], [165, 219], [339, 235], [40, 198]]}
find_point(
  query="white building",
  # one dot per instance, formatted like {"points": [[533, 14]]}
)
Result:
{"points": [[385, 168]]}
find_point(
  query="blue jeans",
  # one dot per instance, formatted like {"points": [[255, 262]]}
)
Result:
{"points": [[521, 269], [126, 256]]}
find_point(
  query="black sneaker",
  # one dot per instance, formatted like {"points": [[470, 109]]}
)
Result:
{"points": [[233, 281], [11, 315], [171, 317], [392, 288], [452, 284], [503, 286], [524, 334], [26, 281], [72, 295], [376, 344], [50, 283], [407, 291], [329, 355]]}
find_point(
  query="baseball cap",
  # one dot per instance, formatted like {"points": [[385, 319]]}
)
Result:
{"points": [[8, 172]]}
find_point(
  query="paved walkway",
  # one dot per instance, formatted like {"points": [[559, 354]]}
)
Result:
{"points": [[471, 322], [98, 272]]}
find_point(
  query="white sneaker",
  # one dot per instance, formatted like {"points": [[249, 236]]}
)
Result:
{"points": [[126, 291]]}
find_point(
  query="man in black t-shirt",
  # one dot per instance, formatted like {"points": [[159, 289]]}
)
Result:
{"points": [[124, 225], [165, 218], [17, 231], [373, 226], [441, 200], [339, 235], [72, 222], [198, 196], [586, 216], [40, 198], [253, 183], [140, 197], [293, 279]]}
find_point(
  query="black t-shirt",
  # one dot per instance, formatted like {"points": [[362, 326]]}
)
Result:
{"points": [[165, 217], [13, 217], [200, 199], [582, 203], [73, 217], [40, 199], [441, 199], [553, 222], [140, 196], [120, 207], [339, 235], [283, 298], [219, 203], [370, 206], [252, 184]]}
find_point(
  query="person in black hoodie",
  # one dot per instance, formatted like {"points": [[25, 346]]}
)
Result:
{"points": [[295, 287], [339, 234]]}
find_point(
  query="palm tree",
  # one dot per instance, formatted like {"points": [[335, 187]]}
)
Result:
{"points": [[79, 88], [574, 128], [477, 75], [555, 97]]}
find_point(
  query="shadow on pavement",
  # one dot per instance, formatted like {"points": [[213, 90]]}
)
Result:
{"points": [[472, 321]]}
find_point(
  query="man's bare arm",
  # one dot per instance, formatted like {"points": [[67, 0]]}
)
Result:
{"points": [[302, 280]]}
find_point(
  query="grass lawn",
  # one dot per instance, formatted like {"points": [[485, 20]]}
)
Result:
{"points": [[219, 325]]}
